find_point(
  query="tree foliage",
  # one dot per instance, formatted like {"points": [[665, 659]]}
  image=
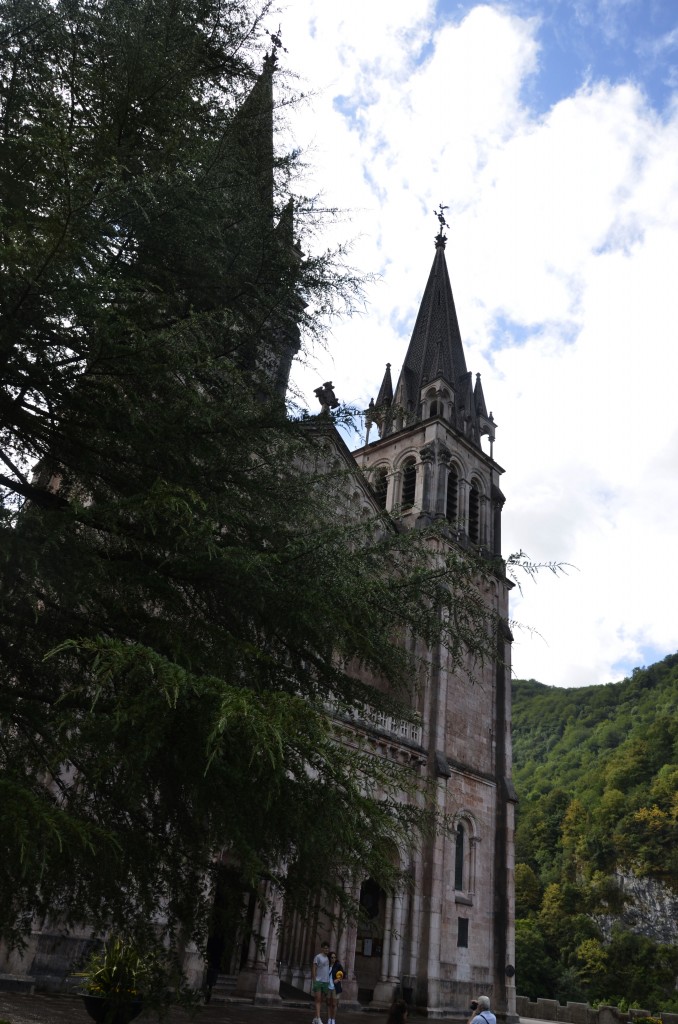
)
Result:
{"points": [[596, 770], [192, 595]]}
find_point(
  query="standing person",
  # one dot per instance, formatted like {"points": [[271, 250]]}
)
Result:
{"points": [[336, 974], [481, 1012], [398, 1013], [320, 976]]}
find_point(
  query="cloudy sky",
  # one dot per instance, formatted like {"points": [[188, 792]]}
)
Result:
{"points": [[550, 130]]}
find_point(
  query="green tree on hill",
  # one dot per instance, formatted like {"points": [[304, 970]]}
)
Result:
{"points": [[597, 784]]}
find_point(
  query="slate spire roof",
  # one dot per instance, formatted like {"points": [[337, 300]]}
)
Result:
{"points": [[254, 135], [435, 356], [435, 349], [385, 396]]}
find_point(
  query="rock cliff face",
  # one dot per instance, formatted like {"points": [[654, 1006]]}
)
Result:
{"points": [[651, 909]]}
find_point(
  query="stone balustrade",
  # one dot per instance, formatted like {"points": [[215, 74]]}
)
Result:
{"points": [[582, 1013]]}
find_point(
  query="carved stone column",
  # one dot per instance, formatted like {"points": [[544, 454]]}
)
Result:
{"points": [[299, 958], [462, 506], [396, 939], [416, 915], [349, 986], [259, 980], [497, 506], [483, 511], [472, 861], [268, 978], [254, 937], [396, 490], [427, 456], [444, 454], [384, 990]]}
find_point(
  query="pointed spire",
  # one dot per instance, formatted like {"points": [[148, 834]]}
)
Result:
{"points": [[285, 228], [435, 356], [486, 424], [285, 231], [262, 246], [385, 396], [435, 349], [479, 398], [379, 412], [254, 133]]}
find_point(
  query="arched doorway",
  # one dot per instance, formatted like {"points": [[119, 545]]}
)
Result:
{"points": [[370, 937]]}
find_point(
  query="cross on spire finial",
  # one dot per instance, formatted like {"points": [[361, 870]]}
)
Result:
{"points": [[440, 237]]}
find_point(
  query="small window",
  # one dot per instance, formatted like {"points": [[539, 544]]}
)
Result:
{"points": [[462, 931], [409, 483], [381, 487], [435, 409], [474, 515], [452, 492], [370, 898], [459, 853]]}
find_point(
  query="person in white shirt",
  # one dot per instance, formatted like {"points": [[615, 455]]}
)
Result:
{"points": [[320, 977]]}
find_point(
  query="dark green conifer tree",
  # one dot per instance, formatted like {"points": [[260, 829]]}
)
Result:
{"points": [[184, 590]]}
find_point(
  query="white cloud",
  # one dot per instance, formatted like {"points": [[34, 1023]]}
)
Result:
{"points": [[562, 250]]}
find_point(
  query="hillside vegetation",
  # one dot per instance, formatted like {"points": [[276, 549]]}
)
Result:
{"points": [[596, 771]]}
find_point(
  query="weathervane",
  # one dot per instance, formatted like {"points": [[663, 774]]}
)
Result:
{"points": [[441, 217], [440, 237], [276, 39]]}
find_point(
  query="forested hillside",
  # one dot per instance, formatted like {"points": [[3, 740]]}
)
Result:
{"points": [[596, 771]]}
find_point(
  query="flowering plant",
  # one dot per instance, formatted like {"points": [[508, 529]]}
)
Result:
{"points": [[118, 969], [123, 975]]}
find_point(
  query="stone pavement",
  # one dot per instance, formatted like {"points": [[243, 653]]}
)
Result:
{"points": [[45, 1009]]}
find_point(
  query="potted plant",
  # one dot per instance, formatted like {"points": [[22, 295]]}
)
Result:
{"points": [[126, 976], [113, 982]]}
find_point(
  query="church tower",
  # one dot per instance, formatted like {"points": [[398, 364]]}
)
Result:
{"points": [[428, 463], [262, 238]]}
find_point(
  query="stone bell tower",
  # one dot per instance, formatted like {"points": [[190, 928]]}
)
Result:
{"points": [[428, 463]]}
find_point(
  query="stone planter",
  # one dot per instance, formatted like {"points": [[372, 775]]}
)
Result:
{"points": [[111, 1009]]}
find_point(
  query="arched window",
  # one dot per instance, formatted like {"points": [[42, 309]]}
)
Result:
{"points": [[371, 896], [435, 409], [459, 854], [409, 483], [451, 511], [372, 921], [381, 486], [474, 514]]}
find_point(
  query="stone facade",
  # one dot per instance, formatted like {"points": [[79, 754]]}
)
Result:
{"points": [[450, 936]]}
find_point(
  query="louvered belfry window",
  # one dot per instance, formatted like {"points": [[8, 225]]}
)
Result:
{"points": [[474, 515], [409, 483], [452, 492], [381, 487]]}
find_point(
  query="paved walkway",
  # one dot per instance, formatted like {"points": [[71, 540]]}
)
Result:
{"points": [[42, 1009]]}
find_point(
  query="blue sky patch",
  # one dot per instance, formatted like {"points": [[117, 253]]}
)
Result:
{"points": [[612, 40]]}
